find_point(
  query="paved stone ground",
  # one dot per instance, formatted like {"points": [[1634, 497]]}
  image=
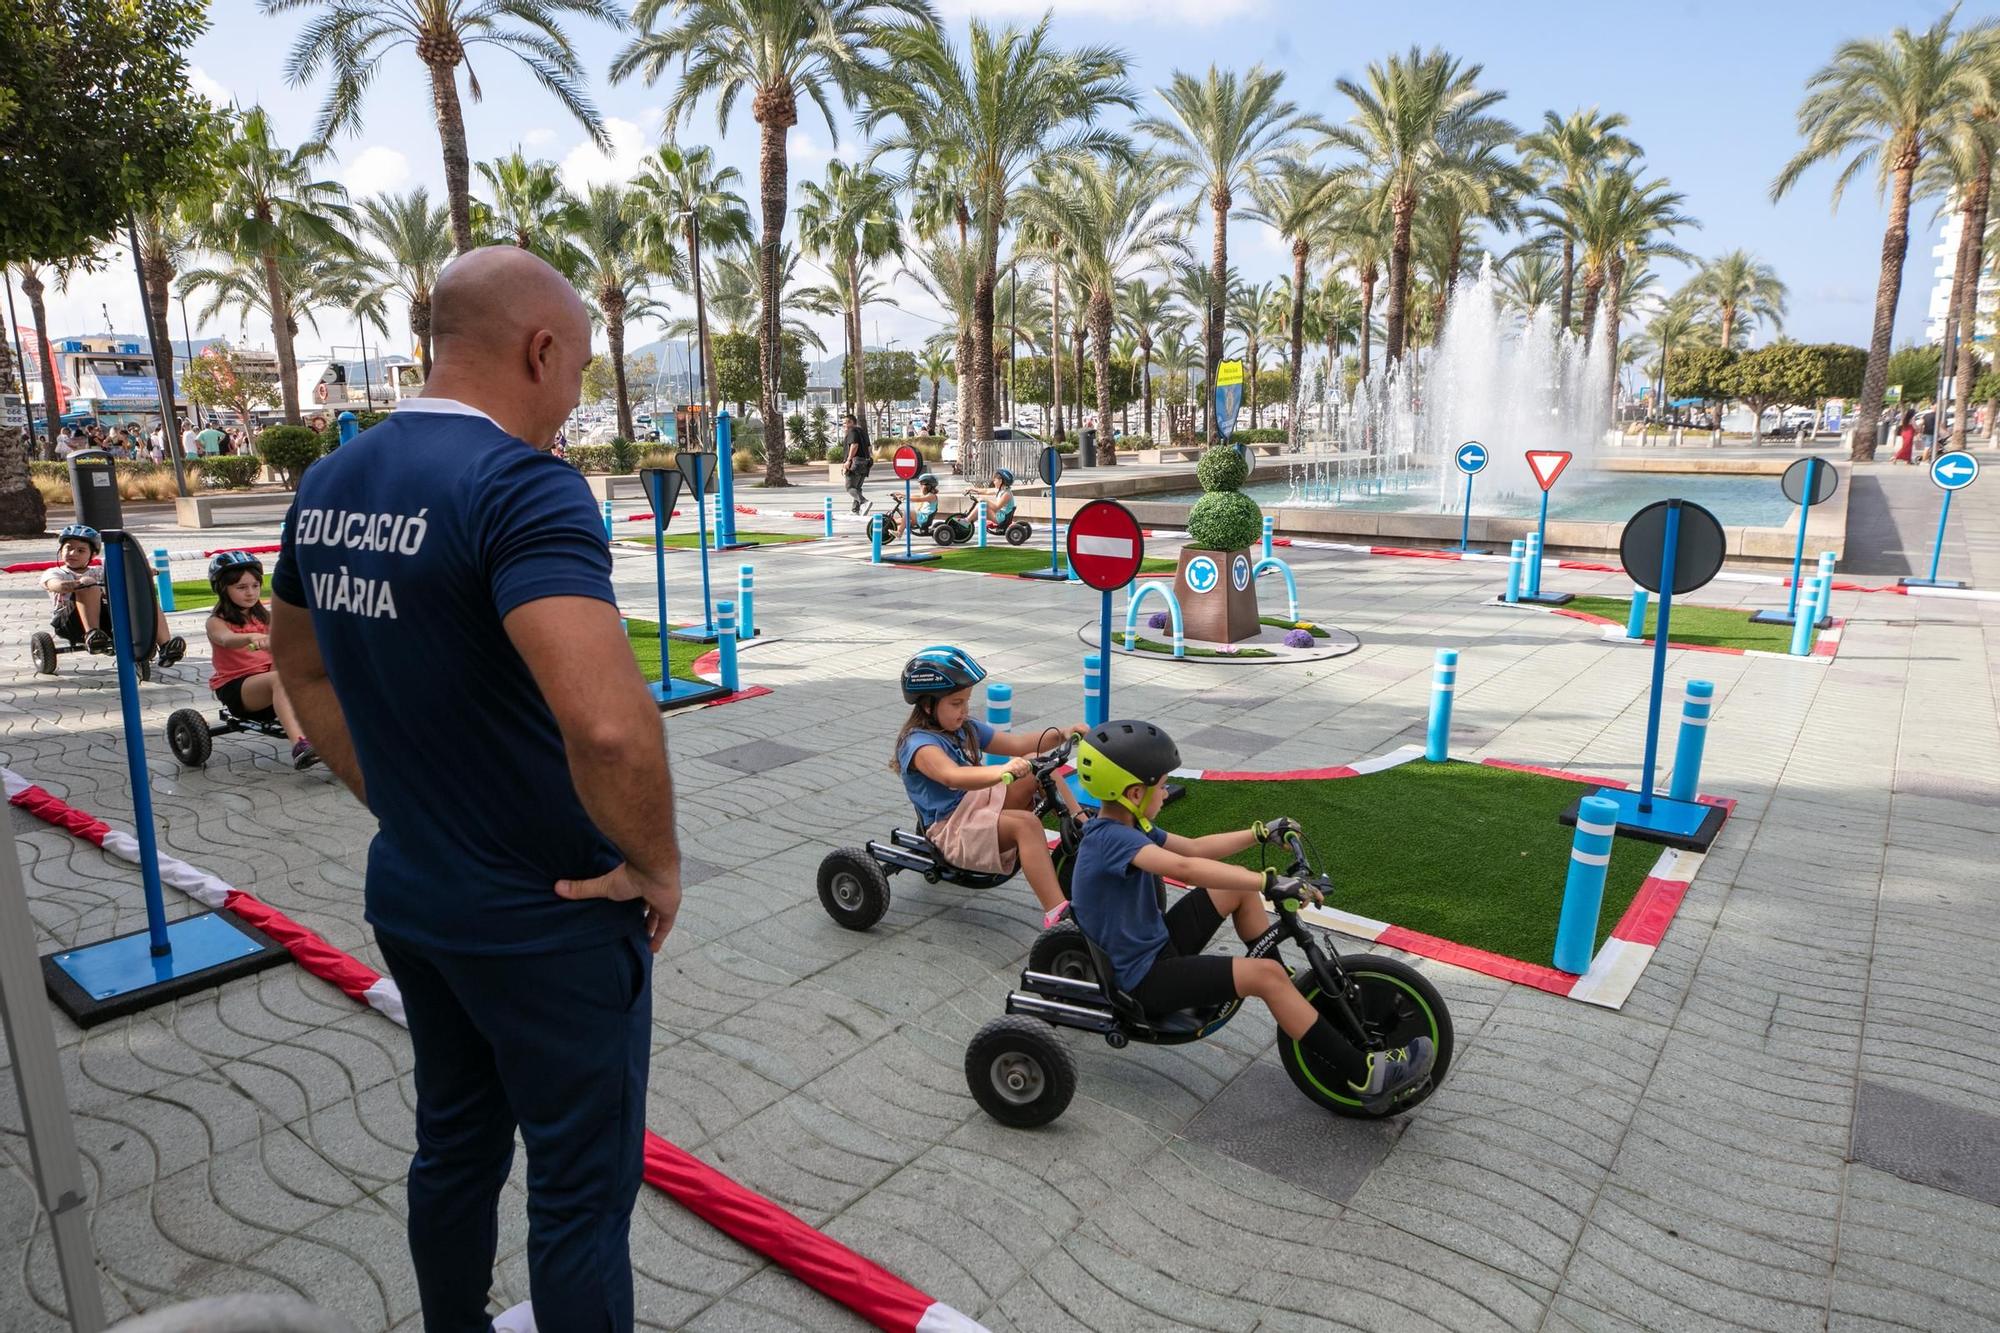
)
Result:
{"points": [[1695, 1161]]}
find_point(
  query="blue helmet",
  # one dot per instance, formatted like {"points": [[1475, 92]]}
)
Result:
{"points": [[940, 670], [1006, 475], [227, 565], [928, 481], [82, 532]]}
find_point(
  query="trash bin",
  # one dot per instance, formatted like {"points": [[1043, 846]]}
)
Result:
{"points": [[93, 484], [1090, 446]]}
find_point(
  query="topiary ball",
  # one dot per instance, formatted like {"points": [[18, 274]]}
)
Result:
{"points": [[1222, 469], [1225, 521], [1158, 620], [1298, 638]]}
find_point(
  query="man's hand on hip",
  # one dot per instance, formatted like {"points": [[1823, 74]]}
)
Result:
{"points": [[662, 895]]}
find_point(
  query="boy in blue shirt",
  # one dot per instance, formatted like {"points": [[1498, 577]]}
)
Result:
{"points": [[1156, 957]]}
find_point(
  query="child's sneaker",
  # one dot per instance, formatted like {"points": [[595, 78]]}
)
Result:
{"points": [[1395, 1071], [172, 651], [303, 754], [1055, 914], [98, 641]]}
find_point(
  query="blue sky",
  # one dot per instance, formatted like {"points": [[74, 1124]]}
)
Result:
{"points": [[1711, 89]]}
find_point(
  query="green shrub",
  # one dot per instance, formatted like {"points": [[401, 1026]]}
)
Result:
{"points": [[590, 457], [836, 453], [289, 451], [798, 456], [228, 473], [49, 470], [657, 455], [1222, 469], [1225, 521], [795, 433], [744, 461], [1136, 440], [624, 454], [330, 437], [1259, 435]]}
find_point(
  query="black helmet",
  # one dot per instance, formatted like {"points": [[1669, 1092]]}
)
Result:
{"points": [[1118, 755], [940, 670], [82, 532], [227, 565]]}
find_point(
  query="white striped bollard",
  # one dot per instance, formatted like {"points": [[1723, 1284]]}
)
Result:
{"points": [[829, 515], [1444, 683], [1826, 602], [746, 598], [1531, 573], [1516, 557], [725, 644], [1583, 890], [1269, 525], [980, 516], [1695, 707], [875, 539], [1635, 623], [1093, 689], [163, 572], [1806, 617], [999, 713], [607, 520]]}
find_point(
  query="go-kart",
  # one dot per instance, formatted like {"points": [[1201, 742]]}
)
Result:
{"points": [[191, 736], [892, 522], [854, 881], [1021, 1073], [956, 529], [45, 648]]}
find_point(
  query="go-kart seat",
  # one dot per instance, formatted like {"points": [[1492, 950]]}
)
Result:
{"points": [[1179, 1023]]}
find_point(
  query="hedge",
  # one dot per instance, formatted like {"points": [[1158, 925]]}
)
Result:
{"points": [[289, 450], [228, 472]]}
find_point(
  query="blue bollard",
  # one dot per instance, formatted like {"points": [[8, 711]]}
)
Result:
{"points": [[1694, 736], [1583, 891], [725, 644], [349, 427], [1533, 570], [1093, 689], [1444, 683], [1635, 623], [165, 577], [1806, 618], [999, 714], [1825, 573], [1269, 524], [607, 520], [829, 515], [875, 539], [1823, 605], [980, 516], [746, 597], [1516, 555]]}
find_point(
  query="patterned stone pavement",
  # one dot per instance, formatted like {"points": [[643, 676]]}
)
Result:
{"points": [[1694, 1161]]}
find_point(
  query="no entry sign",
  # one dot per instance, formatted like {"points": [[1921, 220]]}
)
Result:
{"points": [[1547, 465], [907, 462], [1106, 545]]}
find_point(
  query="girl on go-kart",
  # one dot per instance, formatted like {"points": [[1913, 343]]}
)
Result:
{"points": [[999, 504], [927, 492], [975, 814], [1157, 956], [239, 631]]}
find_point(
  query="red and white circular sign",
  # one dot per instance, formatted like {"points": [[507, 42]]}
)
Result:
{"points": [[908, 462], [1106, 545]]}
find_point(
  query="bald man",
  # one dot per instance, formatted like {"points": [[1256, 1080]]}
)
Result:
{"points": [[444, 621]]}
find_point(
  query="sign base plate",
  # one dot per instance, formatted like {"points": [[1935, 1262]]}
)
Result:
{"points": [[1548, 598], [673, 693], [121, 976], [1785, 618], [1929, 583], [914, 558], [706, 632], [1050, 575], [734, 546], [1689, 825]]}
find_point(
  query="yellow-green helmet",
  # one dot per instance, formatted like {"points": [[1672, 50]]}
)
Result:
{"points": [[1118, 755]]}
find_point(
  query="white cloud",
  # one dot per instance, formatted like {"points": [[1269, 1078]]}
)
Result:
{"points": [[535, 138], [1201, 13], [375, 169], [800, 146], [587, 164], [206, 84]]}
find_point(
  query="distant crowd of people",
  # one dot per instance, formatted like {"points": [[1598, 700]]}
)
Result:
{"points": [[126, 442]]}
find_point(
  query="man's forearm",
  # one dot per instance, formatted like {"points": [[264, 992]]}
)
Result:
{"points": [[627, 789], [325, 725]]}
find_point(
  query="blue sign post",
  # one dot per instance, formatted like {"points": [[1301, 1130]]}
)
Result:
{"points": [[1471, 459], [725, 462], [1051, 468], [696, 472], [1806, 482], [1546, 465], [663, 487], [1949, 472]]}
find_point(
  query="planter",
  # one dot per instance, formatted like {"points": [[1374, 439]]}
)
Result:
{"points": [[1220, 603]]}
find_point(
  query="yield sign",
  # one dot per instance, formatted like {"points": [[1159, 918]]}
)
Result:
{"points": [[1547, 465]]}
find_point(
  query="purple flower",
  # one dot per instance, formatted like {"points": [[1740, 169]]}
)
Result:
{"points": [[1298, 638], [1158, 620]]}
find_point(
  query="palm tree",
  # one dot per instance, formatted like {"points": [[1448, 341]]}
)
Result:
{"points": [[1530, 279], [1620, 222], [1361, 238], [1246, 316], [614, 273], [414, 236], [1125, 347], [32, 287], [683, 184], [1299, 202], [1963, 175], [1334, 311], [1223, 131], [1565, 151], [1011, 102], [1739, 287], [166, 238], [1486, 188], [935, 363], [1412, 116], [1680, 326], [1109, 218], [316, 277], [775, 51], [350, 37], [1144, 306], [852, 221], [531, 210], [264, 203], [948, 273], [1887, 102]]}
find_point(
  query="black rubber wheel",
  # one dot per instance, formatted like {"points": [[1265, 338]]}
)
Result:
{"points": [[188, 738], [1395, 1003], [1020, 1072], [1060, 951], [1018, 533], [43, 648], [852, 888], [943, 535], [144, 666]]}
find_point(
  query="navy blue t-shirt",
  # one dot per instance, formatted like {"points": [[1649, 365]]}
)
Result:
{"points": [[409, 546], [1116, 903]]}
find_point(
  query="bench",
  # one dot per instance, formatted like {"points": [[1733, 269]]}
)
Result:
{"points": [[199, 511]]}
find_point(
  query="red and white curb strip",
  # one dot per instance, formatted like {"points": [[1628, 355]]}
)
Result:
{"points": [[860, 1284], [1826, 645], [1619, 962]]}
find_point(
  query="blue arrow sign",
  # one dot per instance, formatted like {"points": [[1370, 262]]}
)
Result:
{"points": [[1471, 457], [1954, 471]]}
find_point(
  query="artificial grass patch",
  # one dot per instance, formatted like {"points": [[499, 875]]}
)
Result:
{"points": [[1465, 852], [689, 540], [681, 653], [1013, 559], [1155, 646], [1705, 626], [196, 595], [1279, 622]]}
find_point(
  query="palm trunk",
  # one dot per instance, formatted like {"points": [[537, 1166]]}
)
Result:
{"points": [[420, 327], [1971, 256], [982, 357], [1728, 325], [962, 354], [281, 337], [1368, 276], [776, 111], [1146, 354], [614, 341], [706, 352], [1100, 356], [1301, 250], [1569, 280], [1593, 284], [1055, 349], [32, 287], [1250, 378], [1450, 280], [1404, 214], [1218, 294], [1895, 248], [1614, 298], [860, 351], [457, 160], [937, 383], [22, 512]]}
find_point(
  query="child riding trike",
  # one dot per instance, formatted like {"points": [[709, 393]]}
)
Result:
{"points": [[957, 529]]}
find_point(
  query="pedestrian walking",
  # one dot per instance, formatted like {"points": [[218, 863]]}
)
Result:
{"points": [[860, 458]]}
